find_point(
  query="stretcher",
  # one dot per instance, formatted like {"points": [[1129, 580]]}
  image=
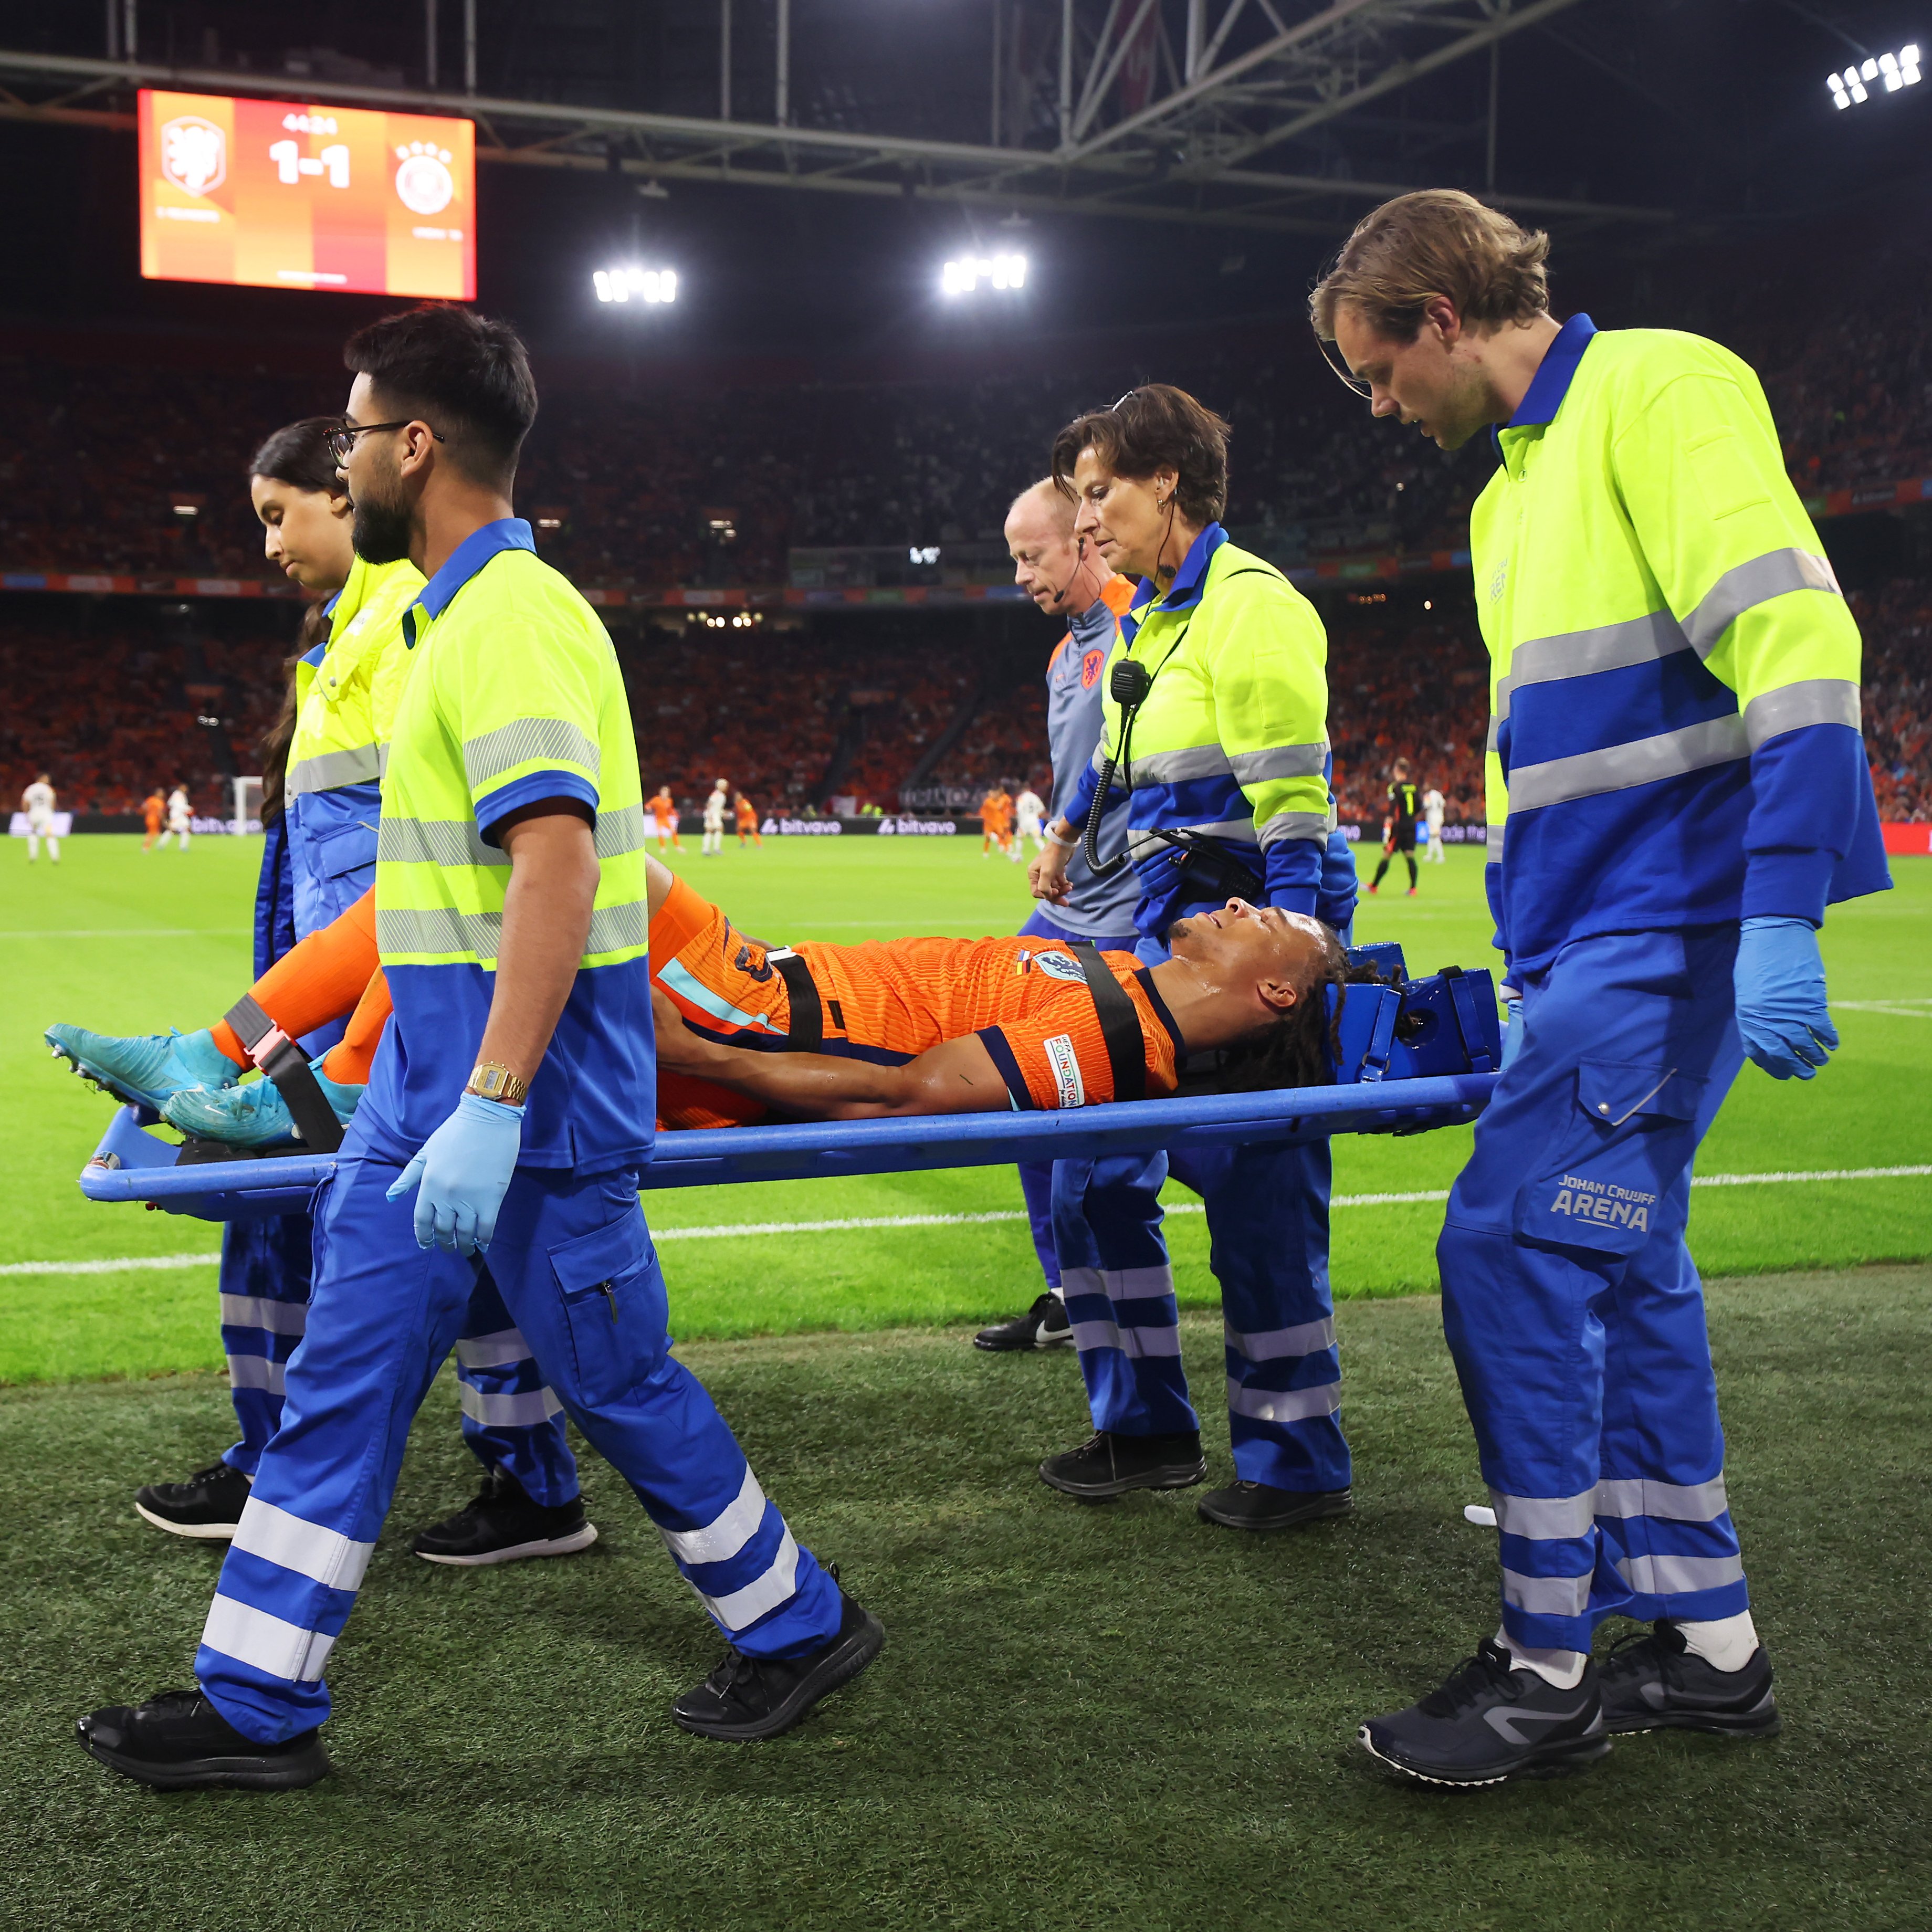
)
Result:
{"points": [[1416, 1058]]}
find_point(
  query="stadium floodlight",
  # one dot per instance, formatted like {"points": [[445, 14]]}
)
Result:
{"points": [[656, 285], [1892, 71], [962, 277]]}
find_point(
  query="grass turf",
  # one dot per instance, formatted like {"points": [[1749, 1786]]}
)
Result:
{"points": [[1083, 1717], [125, 941]]}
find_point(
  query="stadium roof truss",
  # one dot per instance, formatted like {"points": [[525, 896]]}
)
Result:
{"points": [[1195, 139]]}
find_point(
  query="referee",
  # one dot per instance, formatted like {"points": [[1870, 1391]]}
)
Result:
{"points": [[1677, 789]]}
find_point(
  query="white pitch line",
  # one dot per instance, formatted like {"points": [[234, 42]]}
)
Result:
{"points": [[729, 1230], [125, 932]]}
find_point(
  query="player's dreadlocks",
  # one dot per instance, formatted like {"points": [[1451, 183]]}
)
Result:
{"points": [[1299, 1049]]}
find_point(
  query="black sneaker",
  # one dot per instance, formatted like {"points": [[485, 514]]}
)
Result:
{"points": [[500, 1524], [1490, 1722], [179, 1741], [208, 1505], [1245, 1505], [1110, 1465], [748, 1698], [1651, 1682], [1044, 1325]]}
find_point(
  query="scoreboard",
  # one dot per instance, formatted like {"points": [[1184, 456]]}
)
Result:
{"points": [[280, 195]]}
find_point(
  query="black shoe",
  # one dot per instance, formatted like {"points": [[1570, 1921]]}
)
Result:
{"points": [[1652, 1683], [501, 1524], [1245, 1505], [1044, 1325], [748, 1698], [1489, 1722], [1110, 1465], [209, 1504], [179, 1741]]}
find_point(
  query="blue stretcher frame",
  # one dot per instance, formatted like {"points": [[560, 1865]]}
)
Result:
{"points": [[131, 1164]]}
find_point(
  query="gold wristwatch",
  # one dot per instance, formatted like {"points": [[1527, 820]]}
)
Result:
{"points": [[492, 1082]]}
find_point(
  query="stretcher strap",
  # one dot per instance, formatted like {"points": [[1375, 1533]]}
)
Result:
{"points": [[1462, 999], [807, 1033], [1120, 1023], [282, 1060]]}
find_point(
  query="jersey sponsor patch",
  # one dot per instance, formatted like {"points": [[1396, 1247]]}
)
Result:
{"points": [[1066, 1065]]}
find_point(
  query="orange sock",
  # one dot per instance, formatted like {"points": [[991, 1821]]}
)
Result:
{"points": [[321, 979], [350, 1060]]}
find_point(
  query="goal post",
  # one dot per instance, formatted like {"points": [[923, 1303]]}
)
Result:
{"points": [[247, 805]]}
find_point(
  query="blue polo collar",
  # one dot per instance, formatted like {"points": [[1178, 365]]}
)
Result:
{"points": [[1189, 580], [469, 556], [1554, 375], [329, 609]]}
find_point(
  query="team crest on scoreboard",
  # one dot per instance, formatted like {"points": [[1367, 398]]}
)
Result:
{"points": [[194, 155]]}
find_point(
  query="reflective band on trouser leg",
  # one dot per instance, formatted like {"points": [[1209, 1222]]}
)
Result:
{"points": [[511, 1420], [1267, 1214], [381, 1317], [1579, 1339], [1119, 1291], [264, 1286]]}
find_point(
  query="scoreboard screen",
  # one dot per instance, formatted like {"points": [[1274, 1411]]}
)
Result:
{"points": [[278, 195]]}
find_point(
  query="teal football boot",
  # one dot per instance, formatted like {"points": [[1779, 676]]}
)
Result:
{"points": [[254, 1116], [144, 1068]]}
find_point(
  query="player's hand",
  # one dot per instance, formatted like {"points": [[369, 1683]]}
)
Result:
{"points": [[1046, 876], [1782, 1012], [461, 1174]]}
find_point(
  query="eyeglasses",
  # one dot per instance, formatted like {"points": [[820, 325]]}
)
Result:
{"points": [[1332, 355], [342, 442]]}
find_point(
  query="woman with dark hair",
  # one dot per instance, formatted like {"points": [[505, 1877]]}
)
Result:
{"points": [[321, 811], [1216, 728]]}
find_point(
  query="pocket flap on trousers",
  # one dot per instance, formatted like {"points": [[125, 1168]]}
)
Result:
{"points": [[1611, 1091], [605, 1254]]}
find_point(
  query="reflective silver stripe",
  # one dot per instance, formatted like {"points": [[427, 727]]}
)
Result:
{"points": [[1241, 830], [1279, 761], [1812, 701], [434, 841], [328, 771], [1493, 845], [721, 1539], [1282, 1405], [252, 1311], [1636, 1495], [1099, 757], [1546, 1596], [501, 1350], [1136, 1344], [272, 1644], [621, 831], [524, 1409], [401, 929], [1192, 761], [1679, 1576], [757, 1599], [1670, 754], [527, 741], [1293, 825], [1583, 653], [255, 1372], [1117, 1284], [1544, 1518], [1272, 1344], [293, 1542], [1745, 585]]}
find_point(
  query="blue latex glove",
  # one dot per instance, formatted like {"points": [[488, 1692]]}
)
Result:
{"points": [[1787, 1028], [1512, 1029], [464, 1167]]}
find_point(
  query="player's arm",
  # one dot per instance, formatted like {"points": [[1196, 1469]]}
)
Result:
{"points": [[957, 1077]]}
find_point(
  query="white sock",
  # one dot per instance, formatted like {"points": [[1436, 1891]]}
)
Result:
{"points": [[1725, 1644], [1562, 1668]]}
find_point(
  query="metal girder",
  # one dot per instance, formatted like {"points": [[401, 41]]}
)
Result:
{"points": [[1179, 160]]}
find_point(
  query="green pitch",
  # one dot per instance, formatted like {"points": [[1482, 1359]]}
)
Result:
{"points": [[127, 941]]}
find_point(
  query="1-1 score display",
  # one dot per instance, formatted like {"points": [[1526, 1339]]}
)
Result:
{"points": [[286, 194]]}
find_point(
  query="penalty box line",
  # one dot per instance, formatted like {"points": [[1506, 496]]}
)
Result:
{"points": [[727, 1230]]}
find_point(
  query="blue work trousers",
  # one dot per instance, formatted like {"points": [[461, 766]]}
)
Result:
{"points": [[574, 1263], [1571, 1305], [1267, 1219]]}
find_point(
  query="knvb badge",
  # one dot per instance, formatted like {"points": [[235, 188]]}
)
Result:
{"points": [[194, 155]]}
